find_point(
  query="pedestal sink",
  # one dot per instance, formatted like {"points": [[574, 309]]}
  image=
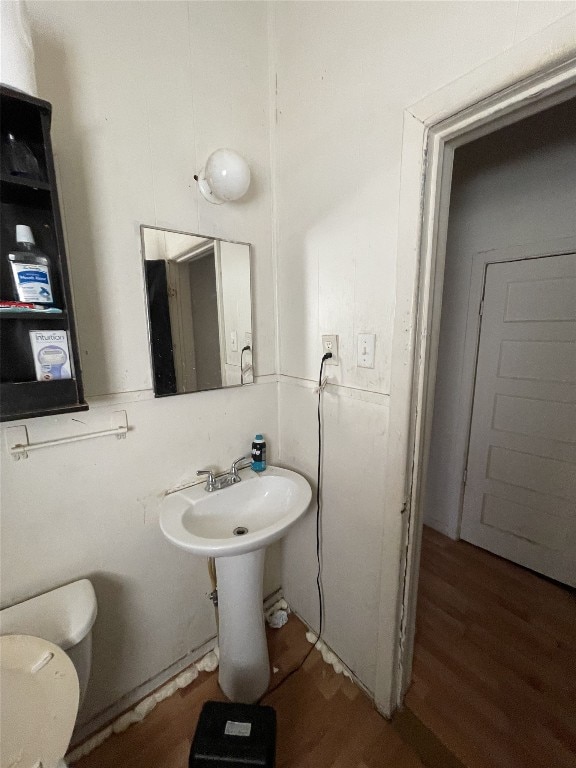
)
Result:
{"points": [[235, 525]]}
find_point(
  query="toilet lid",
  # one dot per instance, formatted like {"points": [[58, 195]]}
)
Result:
{"points": [[39, 702]]}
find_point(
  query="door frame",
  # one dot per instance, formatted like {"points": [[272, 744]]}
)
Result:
{"points": [[528, 78]]}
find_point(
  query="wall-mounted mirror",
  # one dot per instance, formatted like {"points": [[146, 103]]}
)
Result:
{"points": [[199, 311]]}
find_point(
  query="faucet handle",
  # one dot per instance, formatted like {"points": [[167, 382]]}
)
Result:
{"points": [[234, 468], [210, 482]]}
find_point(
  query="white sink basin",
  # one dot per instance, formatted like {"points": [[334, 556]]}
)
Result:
{"points": [[235, 525], [238, 519]]}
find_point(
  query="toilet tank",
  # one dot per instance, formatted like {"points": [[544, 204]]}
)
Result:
{"points": [[65, 616]]}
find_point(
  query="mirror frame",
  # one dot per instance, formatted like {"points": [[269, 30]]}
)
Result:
{"points": [[147, 311]]}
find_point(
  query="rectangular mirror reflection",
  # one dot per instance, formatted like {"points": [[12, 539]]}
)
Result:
{"points": [[199, 311]]}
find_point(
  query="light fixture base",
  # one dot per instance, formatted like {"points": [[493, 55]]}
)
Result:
{"points": [[205, 189]]}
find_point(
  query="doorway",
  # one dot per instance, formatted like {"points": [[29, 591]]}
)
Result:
{"points": [[506, 357], [491, 674]]}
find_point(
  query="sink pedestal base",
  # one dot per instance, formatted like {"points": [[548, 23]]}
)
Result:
{"points": [[244, 665]]}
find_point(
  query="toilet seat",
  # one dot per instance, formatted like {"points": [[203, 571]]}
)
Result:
{"points": [[39, 702]]}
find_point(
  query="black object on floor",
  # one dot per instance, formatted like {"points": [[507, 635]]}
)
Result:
{"points": [[235, 736]]}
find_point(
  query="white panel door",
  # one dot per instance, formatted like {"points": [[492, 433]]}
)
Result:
{"points": [[520, 492]]}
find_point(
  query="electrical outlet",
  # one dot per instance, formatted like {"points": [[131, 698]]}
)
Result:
{"points": [[330, 344]]}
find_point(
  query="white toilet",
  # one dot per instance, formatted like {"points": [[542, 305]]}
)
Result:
{"points": [[43, 686]]}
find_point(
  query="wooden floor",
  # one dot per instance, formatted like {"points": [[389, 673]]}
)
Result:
{"points": [[494, 684], [495, 659], [324, 720]]}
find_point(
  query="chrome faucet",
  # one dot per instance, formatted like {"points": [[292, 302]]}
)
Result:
{"points": [[216, 483], [210, 482], [233, 475]]}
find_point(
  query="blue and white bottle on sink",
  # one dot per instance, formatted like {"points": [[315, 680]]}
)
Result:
{"points": [[259, 454]]}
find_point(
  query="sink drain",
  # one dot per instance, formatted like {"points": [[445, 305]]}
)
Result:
{"points": [[240, 531]]}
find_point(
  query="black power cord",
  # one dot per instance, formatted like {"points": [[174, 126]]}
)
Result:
{"points": [[327, 356]]}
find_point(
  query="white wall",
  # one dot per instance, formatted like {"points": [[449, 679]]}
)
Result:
{"points": [[512, 188], [345, 74], [140, 99], [140, 102]]}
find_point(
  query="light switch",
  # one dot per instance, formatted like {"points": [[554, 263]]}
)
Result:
{"points": [[366, 345]]}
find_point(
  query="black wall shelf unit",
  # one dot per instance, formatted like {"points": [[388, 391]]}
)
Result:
{"points": [[32, 201]]}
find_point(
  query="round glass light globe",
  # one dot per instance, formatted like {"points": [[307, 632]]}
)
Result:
{"points": [[228, 174]]}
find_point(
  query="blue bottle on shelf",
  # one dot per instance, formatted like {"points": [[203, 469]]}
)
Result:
{"points": [[259, 454]]}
